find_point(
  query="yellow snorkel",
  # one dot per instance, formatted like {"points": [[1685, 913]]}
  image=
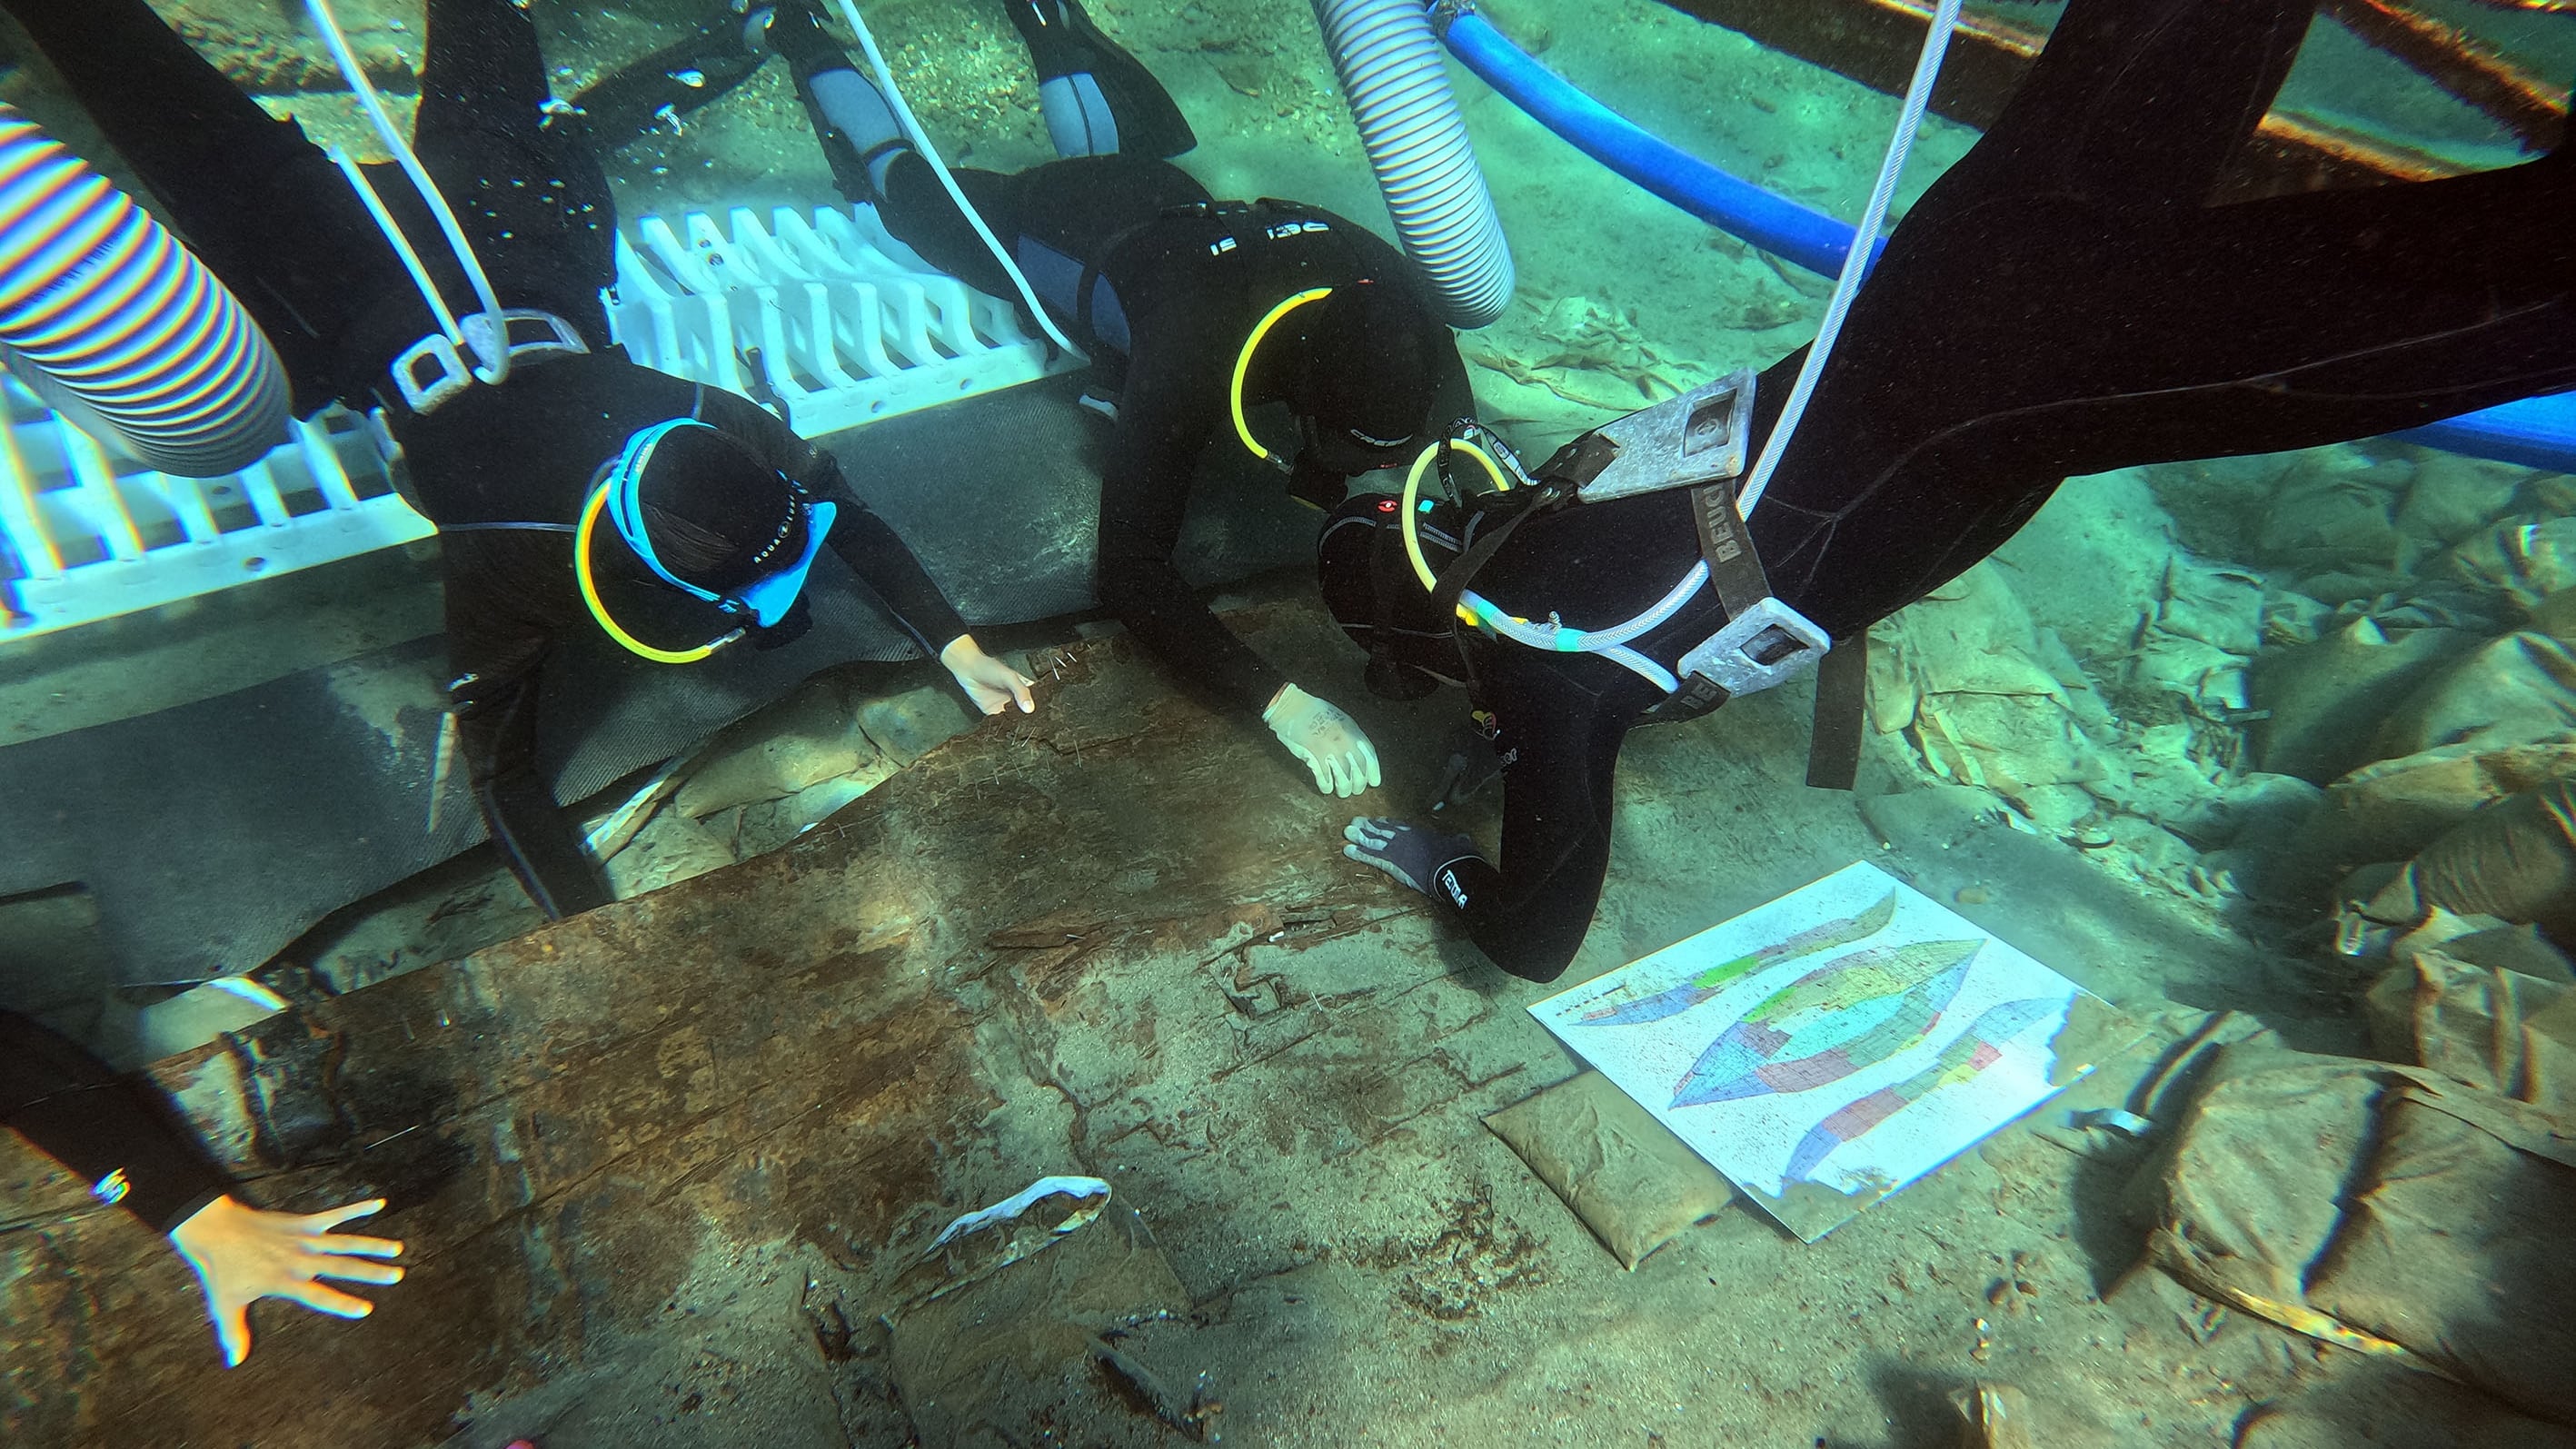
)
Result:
{"points": [[590, 592], [1243, 365], [1412, 511]]}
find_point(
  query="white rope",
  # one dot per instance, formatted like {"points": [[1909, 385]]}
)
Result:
{"points": [[921, 142], [494, 367], [1918, 94]]}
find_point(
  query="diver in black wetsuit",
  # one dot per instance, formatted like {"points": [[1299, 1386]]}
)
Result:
{"points": [[1178, 298], [703, 531], [2064, 301], [120, 1134]]}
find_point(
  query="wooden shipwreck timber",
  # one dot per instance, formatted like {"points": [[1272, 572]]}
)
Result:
{"points": [[1874, 42]]}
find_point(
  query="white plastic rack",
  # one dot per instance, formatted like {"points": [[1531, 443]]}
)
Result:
{"points": [[823, 314], [830, 316]]}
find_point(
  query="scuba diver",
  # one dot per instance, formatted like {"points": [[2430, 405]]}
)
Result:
{"points": [[122, 1136], [2065, 300], [572, 489], [1194, 311]]}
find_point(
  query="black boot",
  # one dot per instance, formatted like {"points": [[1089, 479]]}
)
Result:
{"points": [[1064, 44]]}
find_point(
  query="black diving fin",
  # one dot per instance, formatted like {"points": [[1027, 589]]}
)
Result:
{"points": [[1062, 41]]}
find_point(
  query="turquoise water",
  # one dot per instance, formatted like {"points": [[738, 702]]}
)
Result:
{"points": [[2254, 689]]}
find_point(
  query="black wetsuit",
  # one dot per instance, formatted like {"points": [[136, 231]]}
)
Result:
{"points": [[117, 1132], [1161, 285], [2063, 301], [274, 218]]}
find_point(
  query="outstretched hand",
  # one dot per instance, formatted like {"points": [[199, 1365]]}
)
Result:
{"points": [[989, 682], [243, 1254]]}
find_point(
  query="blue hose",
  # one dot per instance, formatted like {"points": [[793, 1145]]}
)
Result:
{"points": [[1776, 224], [2536, 432], [117, 326], [1391, 70]]}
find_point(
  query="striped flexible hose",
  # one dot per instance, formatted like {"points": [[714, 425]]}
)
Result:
{"points": [[1391, 69], [119, 327]]}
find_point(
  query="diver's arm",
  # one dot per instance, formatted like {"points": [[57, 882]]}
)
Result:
{"points": [[119, 1133], [498, 656], [1165, 424], [864, 541], [115, 1132]]}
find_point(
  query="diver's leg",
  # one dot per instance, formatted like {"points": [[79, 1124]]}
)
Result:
{"points": [[516, 182], [874, 163], [720, 54], [256, 201], [1098, 99], [481, 69], [855, 125], [2133, 103]]}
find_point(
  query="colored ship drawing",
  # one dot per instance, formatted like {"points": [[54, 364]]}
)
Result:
{"points": [[1979, 1047], [1845, 1015], [1826, 936]]}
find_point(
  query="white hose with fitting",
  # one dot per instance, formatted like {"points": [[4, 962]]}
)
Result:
{"points": [[920, 140], [492, 363]]}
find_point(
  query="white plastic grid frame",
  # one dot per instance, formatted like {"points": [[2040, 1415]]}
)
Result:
{"points": [[822, 313], [85, 537]]}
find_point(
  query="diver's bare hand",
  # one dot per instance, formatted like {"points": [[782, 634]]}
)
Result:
{"points": [[989, 682], [243, 1254]]}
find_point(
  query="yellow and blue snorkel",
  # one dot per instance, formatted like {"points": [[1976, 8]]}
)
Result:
{"points": [[1243, 365], [620, 494]]}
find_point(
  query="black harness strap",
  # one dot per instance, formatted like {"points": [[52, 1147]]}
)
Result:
{"points": [[1842, 699]]}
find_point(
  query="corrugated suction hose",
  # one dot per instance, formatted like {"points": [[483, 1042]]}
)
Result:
{"points": [[119, 327], [1391, 70]]}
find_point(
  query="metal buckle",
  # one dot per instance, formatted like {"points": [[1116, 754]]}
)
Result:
{"points": [[1682, 442], [1765, 645], [455, 374]]}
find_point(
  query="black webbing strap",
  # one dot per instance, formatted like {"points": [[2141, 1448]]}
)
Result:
{"points": [[1735, 572], [1462, 573], [1842, 698]]}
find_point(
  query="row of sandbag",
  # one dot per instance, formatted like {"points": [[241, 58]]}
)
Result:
{"points": [[2415, 1210]]}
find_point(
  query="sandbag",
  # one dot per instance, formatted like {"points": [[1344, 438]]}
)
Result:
{"points": [[2383, 1209], [2336, 514], [2458, 1247], [2515, 860], [2523, 559], [2393, 1408], [2495, 1029], [2452, 498], [2245, 1197], [2394, 808], [1961, 672], [2512, 690], [2323, 701], [1630, 1180]]}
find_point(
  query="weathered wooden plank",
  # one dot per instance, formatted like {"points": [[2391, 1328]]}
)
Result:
{"points": [[1875, 43], [783, 1052]]}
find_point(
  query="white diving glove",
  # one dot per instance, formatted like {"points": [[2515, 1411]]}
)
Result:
{"points": [[1329, 741]]}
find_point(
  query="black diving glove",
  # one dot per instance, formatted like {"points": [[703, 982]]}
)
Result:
{"points": [[1411, 854]]}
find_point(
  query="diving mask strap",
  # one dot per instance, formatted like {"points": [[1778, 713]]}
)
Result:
{"points": [[1243, 366], [624, 491]]}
